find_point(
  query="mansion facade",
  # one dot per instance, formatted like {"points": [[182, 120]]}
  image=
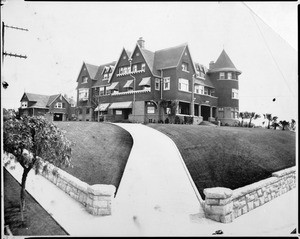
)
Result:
{"points": [[146, 87]]}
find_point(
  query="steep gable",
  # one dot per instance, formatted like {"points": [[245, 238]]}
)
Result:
{"points": [[168, 58], [92, 70], [39, 101], [122, 61]]}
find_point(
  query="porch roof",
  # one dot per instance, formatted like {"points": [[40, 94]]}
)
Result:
{"points": [[121, 105], [102, 107]]}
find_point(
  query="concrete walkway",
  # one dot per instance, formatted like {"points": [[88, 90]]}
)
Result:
{"points": [[156, 198]]}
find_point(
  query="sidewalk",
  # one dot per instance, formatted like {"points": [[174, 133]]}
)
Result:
{"points": [[155, 197]]}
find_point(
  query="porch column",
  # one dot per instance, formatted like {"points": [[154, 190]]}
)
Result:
{"points": [[210, 115]]}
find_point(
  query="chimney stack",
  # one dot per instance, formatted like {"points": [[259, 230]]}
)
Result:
{"points": [[211, 65], [141, 42]]}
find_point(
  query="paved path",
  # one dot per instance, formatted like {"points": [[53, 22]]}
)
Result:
{"points": [[155, 197]]}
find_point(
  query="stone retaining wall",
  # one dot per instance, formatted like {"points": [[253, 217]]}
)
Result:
{"points": [[224, 205], [97, 198]]}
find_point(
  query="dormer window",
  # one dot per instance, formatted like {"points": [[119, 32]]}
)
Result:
{"points": [[84, 79], [106, 76], [222, 75], [184, 66], [24, 104]]}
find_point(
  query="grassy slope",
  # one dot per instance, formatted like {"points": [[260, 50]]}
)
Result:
{"points": [[230, 156], [100, 152], [37, 221]]}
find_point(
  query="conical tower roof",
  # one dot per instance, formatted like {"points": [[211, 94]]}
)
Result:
{"points": [[223, 63]]}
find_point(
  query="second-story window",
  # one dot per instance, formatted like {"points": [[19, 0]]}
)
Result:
{"points": [[184, 66], [235, 93], [222, 75], [84, 79], [134, 68], [58, 105], [83, 94], [205, 91], [102, 90], [199, 89], [143, 67], [167, 83], [183, 84], [157, 84]]}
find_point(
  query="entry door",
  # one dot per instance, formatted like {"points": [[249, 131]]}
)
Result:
{"points": [[57, 117]]}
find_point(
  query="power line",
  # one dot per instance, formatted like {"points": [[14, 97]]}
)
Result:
{"points": [[268, 25], [266, 43]]}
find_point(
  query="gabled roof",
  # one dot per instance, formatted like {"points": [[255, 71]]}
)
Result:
{"points": [[92, 70], [223, 63], [41, 101], [169, 57], [149, 58]]}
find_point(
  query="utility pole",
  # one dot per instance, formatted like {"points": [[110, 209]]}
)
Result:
{"points": [[4, 53]]}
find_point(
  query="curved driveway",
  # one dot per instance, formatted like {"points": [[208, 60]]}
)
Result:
{"points": [[155, 178]]}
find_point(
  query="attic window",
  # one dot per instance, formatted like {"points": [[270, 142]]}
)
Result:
{"points": [[143, 67], [184, 66], [222, 75], [59, 105], [185, 53], [124, 57], [84, 79], [137, 54], [24, 104]]}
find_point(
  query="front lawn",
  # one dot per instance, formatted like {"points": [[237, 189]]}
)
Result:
{"points": [[38, 222], [231, 157], [100, 153]]}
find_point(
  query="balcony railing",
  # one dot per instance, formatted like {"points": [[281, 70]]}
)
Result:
{"points": [[132, 72]]}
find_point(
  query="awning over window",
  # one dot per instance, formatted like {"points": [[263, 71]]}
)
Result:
{"points": [[102, 107], [121, 105], [113, 86], [128, 84], [145, 81]]}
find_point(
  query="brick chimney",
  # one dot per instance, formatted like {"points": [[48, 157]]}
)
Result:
{"points": [[141, 42], [211, 65]]}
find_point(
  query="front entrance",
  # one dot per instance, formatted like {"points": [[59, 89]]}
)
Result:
{"points": [[57, 117], [205, 112]]}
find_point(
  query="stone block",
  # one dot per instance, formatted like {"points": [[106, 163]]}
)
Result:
{"points": [[101, 204], [250, 205], [217, 192], [259, 192], [225, 201], [221, 210], [250, 197], [256, 203], [226, 218], [211, 201], [244, 209], [236, 204], [261, 200]]}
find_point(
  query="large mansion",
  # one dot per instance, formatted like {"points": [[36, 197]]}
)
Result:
{"points": [[145, 86]]}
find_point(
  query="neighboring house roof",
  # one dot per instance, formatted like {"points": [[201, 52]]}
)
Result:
{"points": [[149, 58], [223, 63], [41, 101], [167, 58], [92, 70]]}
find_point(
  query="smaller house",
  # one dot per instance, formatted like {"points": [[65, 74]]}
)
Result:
{"points": [[53, 107]]}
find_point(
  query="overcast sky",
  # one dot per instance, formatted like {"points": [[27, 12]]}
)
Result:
{"points": [[64, 34]]}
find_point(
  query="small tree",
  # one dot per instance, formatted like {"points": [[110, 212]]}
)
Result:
{"points": [[269, 118], [254, 116], [284, 123], [274, 122], [293, 124], [31, 138], [242, 115]]}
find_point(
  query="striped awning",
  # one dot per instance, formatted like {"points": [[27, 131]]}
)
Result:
{"points": [[128, 84], [145, 81], [102, 107], [112, 86], [121, 105]]}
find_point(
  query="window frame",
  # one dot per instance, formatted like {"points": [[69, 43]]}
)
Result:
{"points": [[157, 84], [58, 105], [84, 80], [167, 82], [183, 84], [222, 75], [185, 66], [235, 94]]}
